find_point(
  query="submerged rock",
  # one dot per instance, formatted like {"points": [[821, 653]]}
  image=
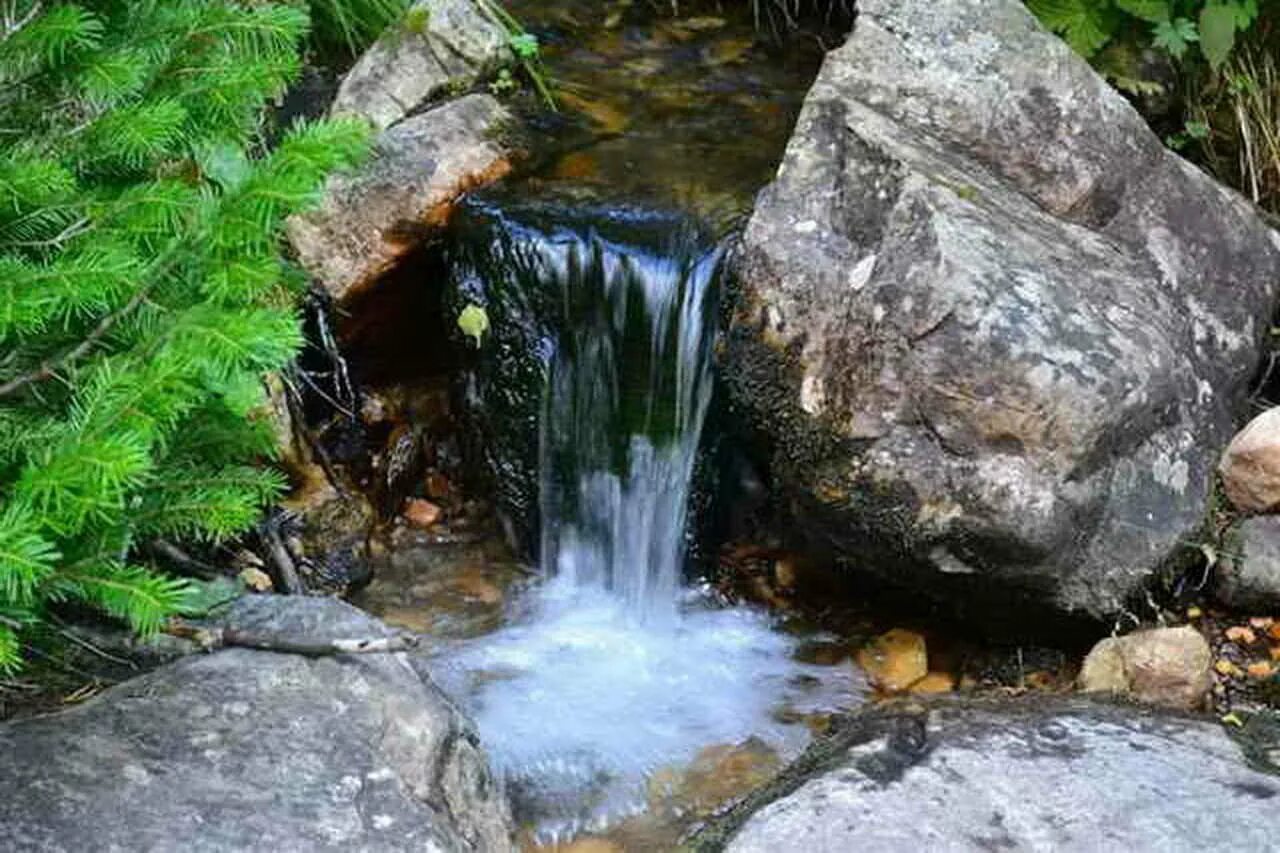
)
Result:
{"points": [[1163, 666], [440, 47], [1250, 467], [257, 751], [992, 333], [419, 170], [1248, 576], [1041, 774]]}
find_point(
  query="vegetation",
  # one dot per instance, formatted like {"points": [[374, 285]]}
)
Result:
{"points": [[349, 25], [1228, 94], [142, 290]]}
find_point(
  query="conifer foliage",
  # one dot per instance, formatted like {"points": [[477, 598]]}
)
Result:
{"points": [[142, 289]]}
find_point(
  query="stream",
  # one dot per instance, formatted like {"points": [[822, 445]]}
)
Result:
{"points": [[614, 695]]}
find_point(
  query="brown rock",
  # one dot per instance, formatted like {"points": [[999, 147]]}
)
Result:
{"points": [[1250, 467], [421, 514], [419, 169], [718, 775], [895, 660], [934, 682], [1163, 666]]}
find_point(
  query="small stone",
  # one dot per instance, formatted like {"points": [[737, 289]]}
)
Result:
{"points": [[421, 514], [1242, 635], [895, 660], [1163, 666], [1250, 467], [1249, 578], [933, 683], [255, 579], [1261, 623], [1260, 670]]}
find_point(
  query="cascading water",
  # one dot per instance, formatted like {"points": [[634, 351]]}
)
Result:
{"points": [[615, 669]]}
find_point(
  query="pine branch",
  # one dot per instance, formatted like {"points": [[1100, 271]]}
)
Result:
{"points": [[51, 368]]}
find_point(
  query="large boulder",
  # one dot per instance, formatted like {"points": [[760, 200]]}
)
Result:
{"points": [[440, 47], [990, 332], [419, 170], [1041, 774], [257, 751]]}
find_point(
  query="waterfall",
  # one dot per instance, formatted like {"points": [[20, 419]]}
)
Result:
{"points": [[628, 385], [595, 385]]}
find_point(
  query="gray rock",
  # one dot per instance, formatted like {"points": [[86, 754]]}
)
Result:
{"points": [[419, 169], [257, 751], [442, 47], [1040, 774], [990, 331], [1248, 575]]}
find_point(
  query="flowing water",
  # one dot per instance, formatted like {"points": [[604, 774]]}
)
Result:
{"points": [[615, 669]]}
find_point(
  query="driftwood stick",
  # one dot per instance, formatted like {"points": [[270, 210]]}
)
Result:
{"points": [[287, 580], [218, 638]]}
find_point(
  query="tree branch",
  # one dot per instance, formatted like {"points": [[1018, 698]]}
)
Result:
{"points": [[212, 639], [50, 368]]}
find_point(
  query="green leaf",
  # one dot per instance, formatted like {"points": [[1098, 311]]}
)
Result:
{"points": [[1085, 24], [474, 323], [1176, 36], [1217, 33], [1154, 11]]}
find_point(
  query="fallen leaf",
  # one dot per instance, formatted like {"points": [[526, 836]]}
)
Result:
{"points": [[1242, 635], [1260, 670], [1227, 668]]}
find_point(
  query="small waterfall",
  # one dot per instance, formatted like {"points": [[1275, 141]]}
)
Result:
{"points": [[629, 381], [617, 669]]}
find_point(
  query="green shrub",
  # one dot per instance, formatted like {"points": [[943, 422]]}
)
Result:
{"points": [[1180, 27], [142, 289]]}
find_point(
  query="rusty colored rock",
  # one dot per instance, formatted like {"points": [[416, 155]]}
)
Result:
{"points": [[421, 514], [1162, 666], [895, 660], [1250, 467]]}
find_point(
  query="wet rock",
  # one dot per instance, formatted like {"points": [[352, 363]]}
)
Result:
{"points": [[257, 751], [895, 660], [418, 171], [1250, 467], [990, 331], [718, 775], [1043, 774], [440, 47], [1162, 666]]}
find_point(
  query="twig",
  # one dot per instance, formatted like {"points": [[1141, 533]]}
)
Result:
{"points": [[184, 561], [287, 578], [10, 29], [51, 368], [217, 638]]}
